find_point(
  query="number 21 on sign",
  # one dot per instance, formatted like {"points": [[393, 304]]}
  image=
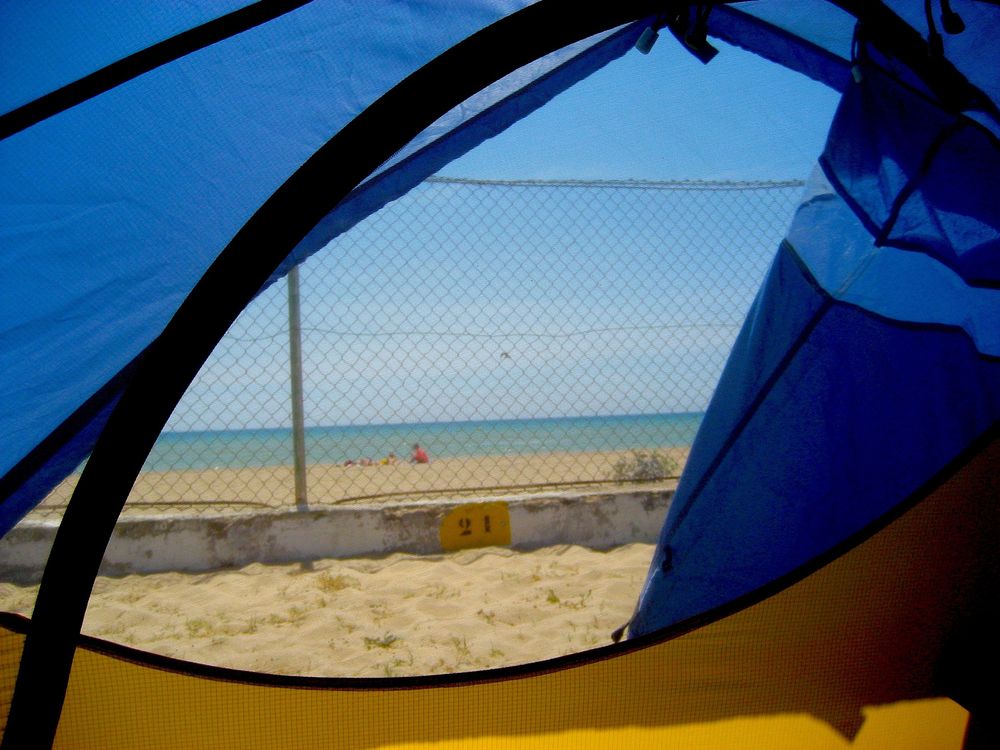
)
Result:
{"points": [[476, 525]]}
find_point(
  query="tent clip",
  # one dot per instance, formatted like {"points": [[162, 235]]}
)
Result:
{"points": [[690, 26], [950, 20], [619, 632], [646, 40], [857, 52]]}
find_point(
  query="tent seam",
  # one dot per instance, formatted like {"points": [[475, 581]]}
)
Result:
{"points": [[914, 182], [781, 367]]}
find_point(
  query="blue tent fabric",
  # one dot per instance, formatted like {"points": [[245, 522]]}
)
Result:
{"points": [[819, 47], [974, 51], [88, 37], [903, 179], [868, 363], [850, 425]]}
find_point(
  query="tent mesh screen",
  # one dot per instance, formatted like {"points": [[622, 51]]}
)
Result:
{"points": [[527, 334]]}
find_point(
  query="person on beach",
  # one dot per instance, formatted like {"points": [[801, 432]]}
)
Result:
{"points": [[419, 455]]}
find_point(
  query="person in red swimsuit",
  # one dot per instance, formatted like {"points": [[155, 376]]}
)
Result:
{"points": [[419, 455]]}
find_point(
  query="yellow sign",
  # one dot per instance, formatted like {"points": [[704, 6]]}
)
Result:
{"points": [[476, 525]]}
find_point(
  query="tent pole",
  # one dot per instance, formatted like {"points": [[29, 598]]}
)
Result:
{"points": [[295, 366], [172, 360]]}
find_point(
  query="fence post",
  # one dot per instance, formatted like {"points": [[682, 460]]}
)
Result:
{"points": [[295, 363]]}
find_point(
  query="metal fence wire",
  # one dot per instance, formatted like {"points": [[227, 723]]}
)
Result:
{"points": [[526, 334]]}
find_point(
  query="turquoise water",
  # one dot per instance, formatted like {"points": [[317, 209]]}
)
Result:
{"points": [[269, 447]]}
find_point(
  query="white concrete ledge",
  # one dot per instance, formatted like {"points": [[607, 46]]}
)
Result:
{"points": [[211, 542]]}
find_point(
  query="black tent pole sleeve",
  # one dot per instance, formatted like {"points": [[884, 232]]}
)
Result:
{"points": [[143, 61], [171, 362]]}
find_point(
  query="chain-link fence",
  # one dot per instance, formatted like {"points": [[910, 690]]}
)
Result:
{"points": [[525, 334]]}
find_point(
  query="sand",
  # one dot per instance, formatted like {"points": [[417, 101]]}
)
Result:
{"points": [[398, 615], [241, 490]]}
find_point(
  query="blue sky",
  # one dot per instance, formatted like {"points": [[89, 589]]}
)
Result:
{"points": [[663, 116]]}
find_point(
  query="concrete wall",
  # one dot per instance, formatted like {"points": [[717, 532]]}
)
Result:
{"points": [[198, 543]]}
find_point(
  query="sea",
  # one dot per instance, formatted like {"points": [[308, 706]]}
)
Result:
{"points": [[238, 449]]}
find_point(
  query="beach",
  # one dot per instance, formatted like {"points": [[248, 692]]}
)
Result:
{"points": [[400, 614], [272, 487], [396, 615]]}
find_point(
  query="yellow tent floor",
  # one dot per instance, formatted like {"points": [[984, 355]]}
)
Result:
{"points": [[844, 654]]}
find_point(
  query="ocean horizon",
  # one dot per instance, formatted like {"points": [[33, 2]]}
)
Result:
{"points": [[238, 449]]}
